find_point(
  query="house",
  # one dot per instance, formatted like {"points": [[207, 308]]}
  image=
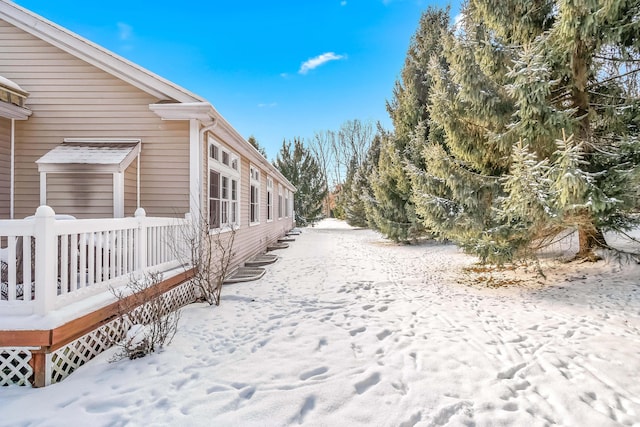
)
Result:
{"points": [[107, 161]]}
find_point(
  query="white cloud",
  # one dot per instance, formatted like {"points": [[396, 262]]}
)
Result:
{"points": [[312, 63], [343, 3], [457, 20], [125, 31], [269, 105]]}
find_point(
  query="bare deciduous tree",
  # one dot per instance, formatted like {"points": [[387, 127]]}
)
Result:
{"points": [[321, 149], [337, 151], [354, 139]]}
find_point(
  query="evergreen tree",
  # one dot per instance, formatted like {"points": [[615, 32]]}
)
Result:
{"points": [[537, 111], [455, 193], [394, 213], [356, 199], [588, 51], [349, 200], [363, 188], [253, 141], [300, 168]]}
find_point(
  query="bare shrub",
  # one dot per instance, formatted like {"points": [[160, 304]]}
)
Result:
{"points": [[151, 319], [209, 252]]}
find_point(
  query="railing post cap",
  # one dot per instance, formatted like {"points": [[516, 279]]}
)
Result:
{"points": [[45, 211], [140, 212]]}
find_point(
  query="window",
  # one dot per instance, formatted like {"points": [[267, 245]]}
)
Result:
{"points": [[234, 201], [254, 202], [291, 213], [224, 181], [255, 174], [213, 151], [280, 207], [269, 199], [286, 203], [214, 199], [224, 202]]}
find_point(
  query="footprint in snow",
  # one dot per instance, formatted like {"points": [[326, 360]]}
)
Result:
{"points": [[382, 335], [356, 331], [510, 372], [510, 406], [307, 406], [216, 389], [367, 383], [313, 373], [413, 420], [322, 342], [247, 393]]}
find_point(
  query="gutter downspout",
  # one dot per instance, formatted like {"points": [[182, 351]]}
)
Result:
{"points": [[13, 169], [138, 181], [196, 173]]}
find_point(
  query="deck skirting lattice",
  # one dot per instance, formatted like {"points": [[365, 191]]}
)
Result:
{"points": [[14, 366], [75, 354], [15, 362], [67, 359]]}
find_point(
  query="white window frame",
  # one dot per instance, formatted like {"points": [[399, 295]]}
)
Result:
{"points": [[286, 203], [280, 202], [228, 187], [269, 199], [214, 150], [291, 206], [254, 195]]}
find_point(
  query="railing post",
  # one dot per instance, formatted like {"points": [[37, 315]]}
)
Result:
{"points": [[141, 241], [46, 261]]}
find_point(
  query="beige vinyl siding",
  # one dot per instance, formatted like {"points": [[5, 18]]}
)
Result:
{"points": [[250, 239], [254, 239], [5, 167], [130, 189], [81, 195], [70, 98]]}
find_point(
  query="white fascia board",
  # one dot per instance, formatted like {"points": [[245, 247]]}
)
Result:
{"points": [[202, 111], [10, 111], [103, 140], [124, 164], [93, 53], [77, 168]]}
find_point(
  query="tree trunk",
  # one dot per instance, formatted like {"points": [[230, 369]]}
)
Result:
{"points": [[590, 238]]}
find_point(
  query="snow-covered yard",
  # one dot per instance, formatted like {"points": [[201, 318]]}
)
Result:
{"points": [[347, 329]]}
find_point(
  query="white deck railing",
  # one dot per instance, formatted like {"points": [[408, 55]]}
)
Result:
{"points": [[49, 263]]}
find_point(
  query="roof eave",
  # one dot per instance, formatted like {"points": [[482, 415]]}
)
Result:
{"points": [[202, 111]]}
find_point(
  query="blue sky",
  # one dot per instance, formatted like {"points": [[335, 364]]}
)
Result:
{"points": [[274, 69]]}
